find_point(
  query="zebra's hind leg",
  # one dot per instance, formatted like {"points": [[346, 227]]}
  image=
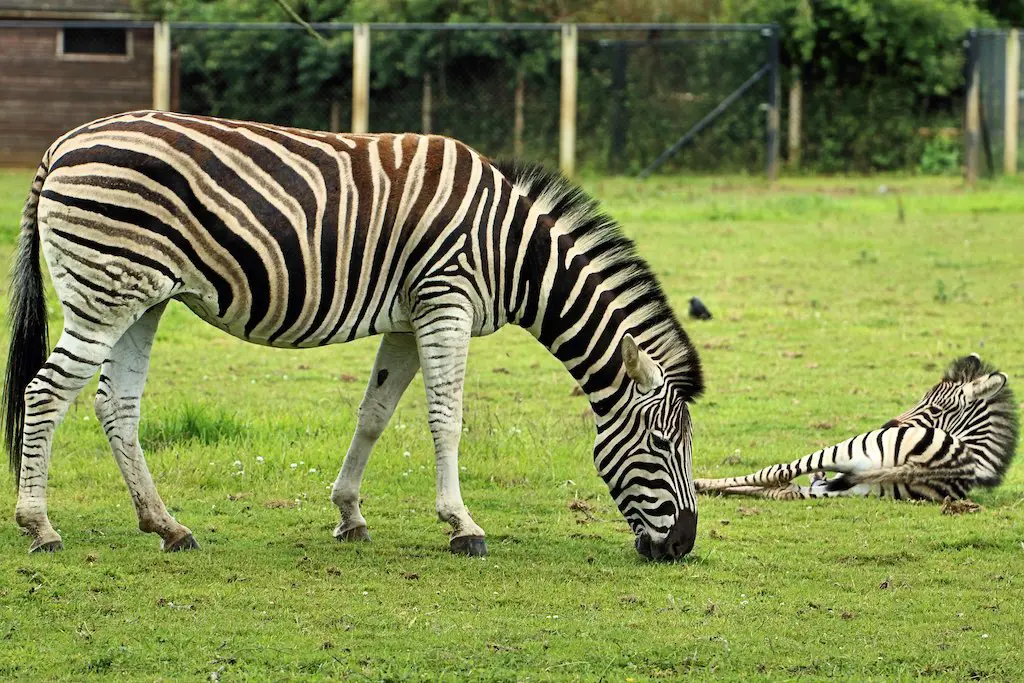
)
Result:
{"points": [[71, 364], [118, 400], [396, 365]]}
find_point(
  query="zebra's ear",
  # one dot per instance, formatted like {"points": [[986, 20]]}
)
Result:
{"points": [[985, 387], [639, 366]]}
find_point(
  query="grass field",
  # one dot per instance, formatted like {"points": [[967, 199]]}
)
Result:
{"points": [[834, 310]]}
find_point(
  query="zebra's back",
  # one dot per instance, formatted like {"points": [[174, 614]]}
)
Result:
{"points": [[279, 236]]}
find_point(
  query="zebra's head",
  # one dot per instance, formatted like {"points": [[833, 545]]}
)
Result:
{"points": [[642, 452], [967, 385], [973, 402]]}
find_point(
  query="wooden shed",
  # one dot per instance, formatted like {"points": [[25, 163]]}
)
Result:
{"points": [[53, 77]]}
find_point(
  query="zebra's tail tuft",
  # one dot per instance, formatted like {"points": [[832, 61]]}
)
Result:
{"points": [[29, 343]]}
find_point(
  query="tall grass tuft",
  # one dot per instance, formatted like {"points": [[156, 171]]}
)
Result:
{"points": [[191, 423]]}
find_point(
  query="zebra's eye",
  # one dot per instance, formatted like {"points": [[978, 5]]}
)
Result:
{"points": [[660, 443], [934, 410]]}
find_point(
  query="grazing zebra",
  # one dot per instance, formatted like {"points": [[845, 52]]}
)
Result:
{"points": [[963, 433], [295, 239]]}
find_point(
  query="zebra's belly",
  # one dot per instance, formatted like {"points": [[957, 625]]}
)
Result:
{"points": [[337, 333]]}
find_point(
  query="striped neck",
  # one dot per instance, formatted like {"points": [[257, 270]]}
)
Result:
{"points": [[579, 288]]}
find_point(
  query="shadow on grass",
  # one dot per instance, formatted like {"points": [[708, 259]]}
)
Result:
{"points": [[192, 423]]}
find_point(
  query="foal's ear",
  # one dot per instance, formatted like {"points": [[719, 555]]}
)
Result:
{"points": [[985, 387], [639, 366]]}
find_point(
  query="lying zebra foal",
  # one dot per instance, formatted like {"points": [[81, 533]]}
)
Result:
{"points": [[962, 434]]}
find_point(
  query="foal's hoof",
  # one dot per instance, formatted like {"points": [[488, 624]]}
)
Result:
{"points": [[46, 546], [186, 542], [356, 533], [472, 546]]}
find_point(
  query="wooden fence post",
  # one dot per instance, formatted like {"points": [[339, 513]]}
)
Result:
{"points": [[427, 106], [567, 128], [335, 117], [360, 78], [796, 103], [161, 66], [972, 117], [772, 151], [518, 119], [1011, 93]]}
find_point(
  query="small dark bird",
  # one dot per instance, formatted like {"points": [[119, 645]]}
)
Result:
{"points": [[698, 310]]}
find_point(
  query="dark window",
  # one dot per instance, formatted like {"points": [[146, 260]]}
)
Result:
{"points": [[95, 41]]}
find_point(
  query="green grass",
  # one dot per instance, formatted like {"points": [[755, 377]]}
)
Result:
{"points": [[831, 316]]}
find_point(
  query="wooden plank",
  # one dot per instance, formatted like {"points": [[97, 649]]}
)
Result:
{"points": [[161, 66], [567, 120], [360, 78], [795, 111], [518, 120], [972, 115], [1011, 93]]}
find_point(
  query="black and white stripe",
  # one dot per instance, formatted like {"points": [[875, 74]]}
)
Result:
{"points": [[294, 238], [963, 433]]}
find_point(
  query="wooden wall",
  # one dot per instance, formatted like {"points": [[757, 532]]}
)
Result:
{"points": [[43, 96]]}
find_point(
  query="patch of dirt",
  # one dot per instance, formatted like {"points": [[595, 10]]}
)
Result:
{"points": [[792, 354], [823, 425], [580, 505], [959, 507], [501, 371], [343, 377], [273, 504], [747, 512], [717, 345]]}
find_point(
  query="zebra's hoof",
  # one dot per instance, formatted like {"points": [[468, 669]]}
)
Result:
{"points": [[471, 546], [186, 542], [355, 533], [46, 546]]}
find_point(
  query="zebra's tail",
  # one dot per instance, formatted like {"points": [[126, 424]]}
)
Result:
{"points": [[29, 343]]}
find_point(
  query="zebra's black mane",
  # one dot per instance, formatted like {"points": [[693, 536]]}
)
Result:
{"points": [[583, 220], [1003, 406]]}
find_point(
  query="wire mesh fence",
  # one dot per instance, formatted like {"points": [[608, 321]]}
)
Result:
{"points": [[640, 88], [640, 91], [274, 74], [497, 88]]}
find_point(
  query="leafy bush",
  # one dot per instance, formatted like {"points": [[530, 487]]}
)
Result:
{"points": [[941, 156]]}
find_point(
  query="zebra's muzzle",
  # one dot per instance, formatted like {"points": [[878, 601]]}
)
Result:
{"points": [[677, 543]]}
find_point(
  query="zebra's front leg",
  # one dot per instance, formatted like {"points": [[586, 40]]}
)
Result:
{"points": [[118, 401], [442, 335], [396, 365]]}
